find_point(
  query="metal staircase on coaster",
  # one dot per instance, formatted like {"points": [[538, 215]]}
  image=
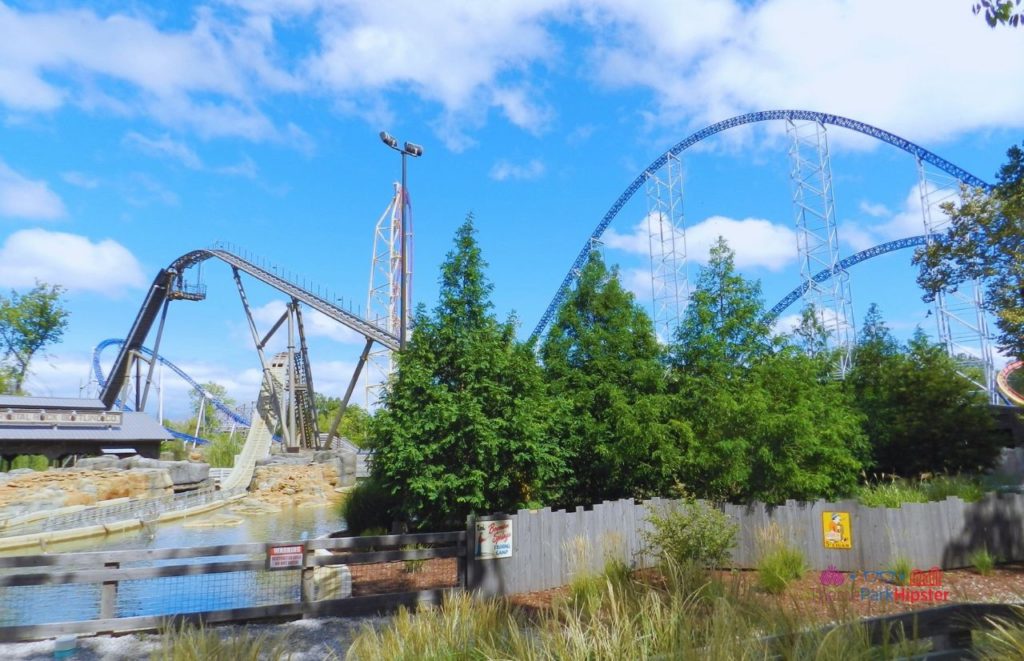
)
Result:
{"points": [[261, 430]]}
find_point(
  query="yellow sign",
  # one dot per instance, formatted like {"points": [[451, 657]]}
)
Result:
{"points": [[836, 530]]}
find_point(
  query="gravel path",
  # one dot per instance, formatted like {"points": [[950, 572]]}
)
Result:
{"points": [[309, 640]]}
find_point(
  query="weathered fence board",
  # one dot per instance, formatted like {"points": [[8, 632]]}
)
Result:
{"points": [[547, 544]]}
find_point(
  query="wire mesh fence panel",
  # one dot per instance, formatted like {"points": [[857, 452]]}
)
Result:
{"points": [[44, 604], [404, 576], [205, 592]]}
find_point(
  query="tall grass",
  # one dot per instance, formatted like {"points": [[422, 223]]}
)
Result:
{"points": [[186, 642], [984, 562], [684, 614], [1005, 639], [897, 490], [780, 563]]}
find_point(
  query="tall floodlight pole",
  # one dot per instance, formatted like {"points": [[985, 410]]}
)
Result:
{"points": [[414, 150]]}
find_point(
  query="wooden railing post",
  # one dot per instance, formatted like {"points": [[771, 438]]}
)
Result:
{"points": [[307, 588], [108, 594]]}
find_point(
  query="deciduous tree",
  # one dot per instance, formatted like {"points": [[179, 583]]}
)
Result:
{"points": [[985, 241], [28, 323]]}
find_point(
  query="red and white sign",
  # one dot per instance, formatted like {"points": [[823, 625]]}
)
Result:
{"points": [[285, 557], [493, 539]]}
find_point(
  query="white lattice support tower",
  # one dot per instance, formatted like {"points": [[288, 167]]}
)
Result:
{"points": [[959, 314], [385, 293], [818, 240], [666, 232]]}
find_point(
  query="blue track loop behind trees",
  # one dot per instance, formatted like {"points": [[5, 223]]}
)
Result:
{"points": [[101, 379], [750, 118]]}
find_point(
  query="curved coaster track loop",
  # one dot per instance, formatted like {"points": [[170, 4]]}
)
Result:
{"points": [[1003, 383], [226, 410], [914, 149]]}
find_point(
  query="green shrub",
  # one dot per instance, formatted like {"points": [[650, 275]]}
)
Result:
{"points": [[367, 506], [414, 566], [175, 448], [902, 568], [780, 566], [220, 452], [36, 462], [691, 532], [196, 643], [983, 561]]}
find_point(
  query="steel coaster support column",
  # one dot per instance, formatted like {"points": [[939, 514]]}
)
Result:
{"points": [[308, 410], [267, 377], [818, 240], [666, 233], [348, 392], [959, 315], [383, 300], [156, 352], [293, 445]]}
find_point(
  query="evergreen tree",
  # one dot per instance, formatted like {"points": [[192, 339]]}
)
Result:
{"points": [[756, 420], [920, 415], [602, 364], [464, 423]]}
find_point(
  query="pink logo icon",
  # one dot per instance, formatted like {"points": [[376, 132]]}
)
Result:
{"points": [[831, 576]]}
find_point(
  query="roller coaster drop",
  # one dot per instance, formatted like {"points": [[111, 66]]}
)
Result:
{"points": [[287, 377]]}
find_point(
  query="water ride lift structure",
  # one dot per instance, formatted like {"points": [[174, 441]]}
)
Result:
{"points": [[287, 397]]}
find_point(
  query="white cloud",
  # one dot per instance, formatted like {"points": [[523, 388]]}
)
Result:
{"points": [[871, 60], [503, 170], [207, 78], [80, 179], [166, 147], [874, 210], [451, 52], [756, 242], [315, 323], [70, 260], [21, 197], [907, 221], [59, 375]]}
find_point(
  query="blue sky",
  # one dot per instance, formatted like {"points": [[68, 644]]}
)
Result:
{"points": [[131, 133]]}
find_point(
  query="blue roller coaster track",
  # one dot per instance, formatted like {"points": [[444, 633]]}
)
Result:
{"points": [[101, 379], [740, 120], [856, 258]]}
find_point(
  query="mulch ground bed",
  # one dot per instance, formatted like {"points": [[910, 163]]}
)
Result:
{"points": [[808, 597], [407, 576]]}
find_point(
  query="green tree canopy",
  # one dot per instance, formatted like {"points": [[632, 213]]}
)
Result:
{"points": [[464, 424], [602, 364], [202, 408], [1000, 12], [354, 425], [28, 323], [754, 416], [920, 415], [985, 241]]}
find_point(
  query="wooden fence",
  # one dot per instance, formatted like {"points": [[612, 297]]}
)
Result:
{"points": [[549, 547], [102, 592]]}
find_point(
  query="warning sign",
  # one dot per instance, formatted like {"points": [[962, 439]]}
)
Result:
{"points": [[285, 557]]}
